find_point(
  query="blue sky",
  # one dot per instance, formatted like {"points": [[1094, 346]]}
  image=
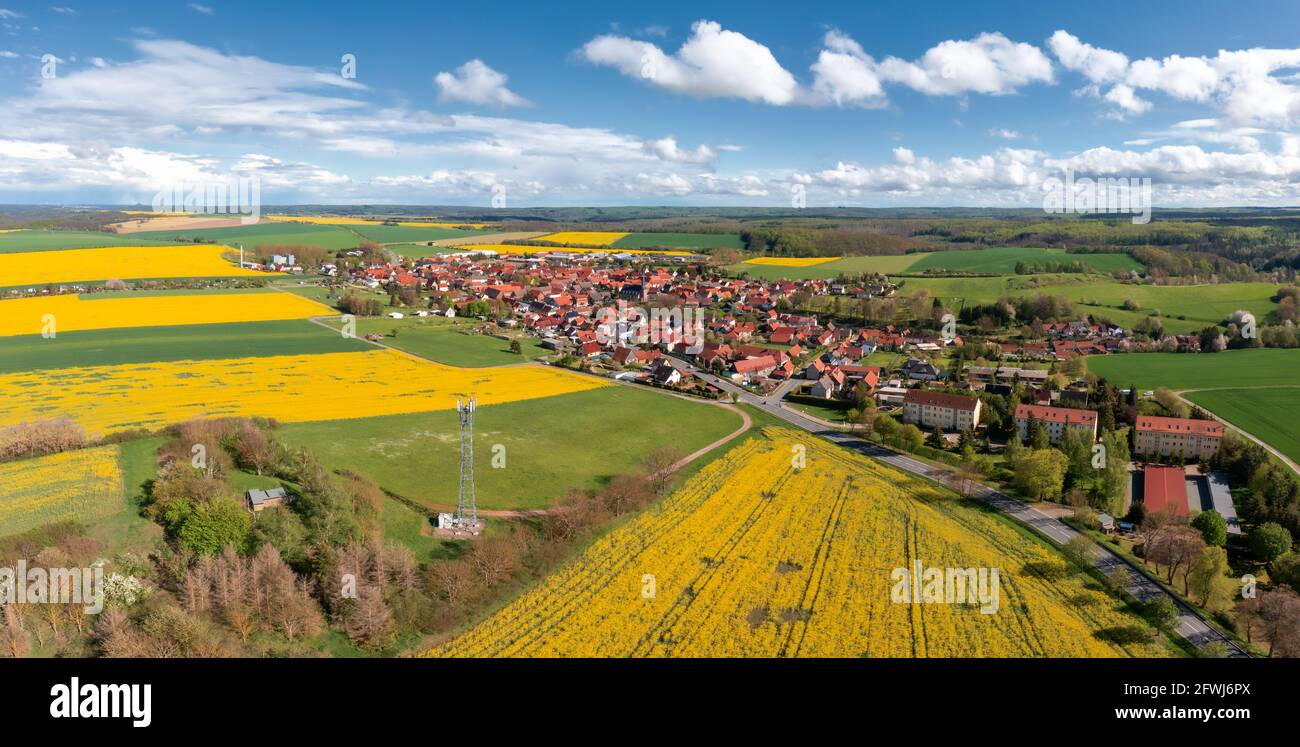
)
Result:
{"points": [[872, 104]]}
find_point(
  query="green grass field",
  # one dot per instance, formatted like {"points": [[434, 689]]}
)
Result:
{"points": [[1255, 390], [190, 342], [550, 444], [449, 341], [40, 241], [406, 526], [397, 234], [318, 293], [1003, 259], [264, 233], [680, 241], [1269, 414], [1202, 305], [1231, 369], [126, 529]]}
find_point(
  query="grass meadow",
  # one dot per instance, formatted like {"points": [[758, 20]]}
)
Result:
{"points": [[1255, 390], [550, 444]]}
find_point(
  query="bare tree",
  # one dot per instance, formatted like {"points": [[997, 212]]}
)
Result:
{"points": [[251, 446], [495, 560], [455, 580], [1279, 611], [658, 466], [1175, 546], [13, 633], [1248, 616], [369, 622]]}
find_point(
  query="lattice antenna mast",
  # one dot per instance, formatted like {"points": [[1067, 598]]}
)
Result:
{"points": [[466, 506]]}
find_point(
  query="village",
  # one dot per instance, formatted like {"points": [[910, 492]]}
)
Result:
{"points": [[676, 323]]}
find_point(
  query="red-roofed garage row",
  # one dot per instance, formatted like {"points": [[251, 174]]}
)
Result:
{"points": [[1164, 490]]}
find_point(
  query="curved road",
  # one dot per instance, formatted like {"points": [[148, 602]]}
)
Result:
{"points": [[1190, 625]]}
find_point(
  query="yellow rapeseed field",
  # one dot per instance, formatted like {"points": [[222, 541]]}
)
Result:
{"points": [[84, 485], [790, 261], [121, 262], [754, 557], [520, 249], [26, 316], [329, 386], [591, 238]]}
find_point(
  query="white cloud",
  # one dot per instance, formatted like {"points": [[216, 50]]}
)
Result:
{"points": [[1004, 133], [1122, 96], [476, 83], [1097, 65], [1249, 87], [204, 9], [845, 75], [6, 54], [63, 10], [713, 63], [990, 64], [904, 155], [1006, 169], [666, 148], [1180, 175], [95, 121], [6, 13]]}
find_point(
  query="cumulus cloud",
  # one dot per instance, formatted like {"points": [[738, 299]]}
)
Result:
{"points": [[1097, 65], [1122, 96], [717, 63], [476, 83], [713, 63], [846, 75], [990, 64], [1250, 87], [667, 149], [1180, 175], [89, 130]]}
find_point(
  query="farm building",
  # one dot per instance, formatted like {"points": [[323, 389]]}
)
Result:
{"points": [[256, 500]]}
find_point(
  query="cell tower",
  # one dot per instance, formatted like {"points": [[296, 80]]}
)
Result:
{"points": [[466, 506]]}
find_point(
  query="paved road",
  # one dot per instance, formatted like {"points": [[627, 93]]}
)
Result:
{"points": [[1190, 626]]}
